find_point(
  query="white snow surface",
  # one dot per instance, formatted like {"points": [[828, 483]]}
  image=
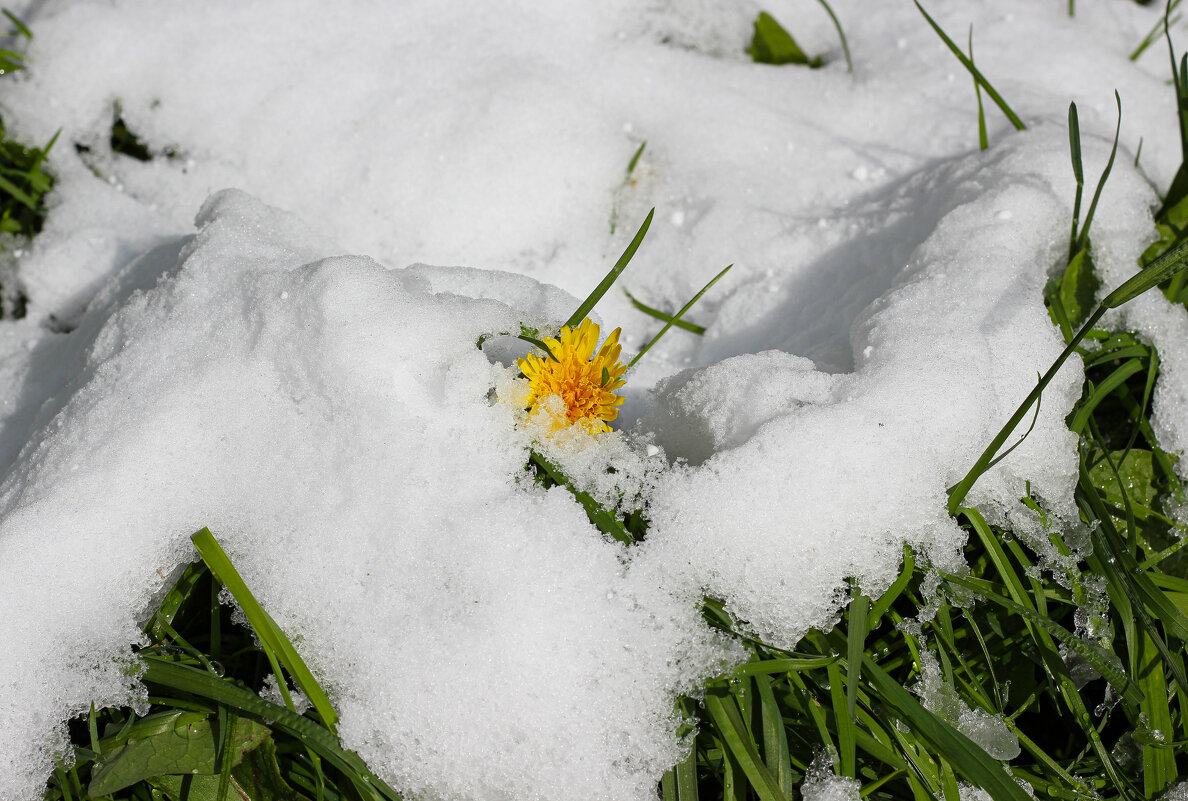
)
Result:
{"points": [[328, 415]]}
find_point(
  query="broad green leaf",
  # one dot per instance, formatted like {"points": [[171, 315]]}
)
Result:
{"points": [[1078, 288], [1136, 468], [772, 44], [188, 747]]}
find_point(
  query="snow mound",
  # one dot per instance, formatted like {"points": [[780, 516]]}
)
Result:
{"points": [[820, 477], [328, 419]]}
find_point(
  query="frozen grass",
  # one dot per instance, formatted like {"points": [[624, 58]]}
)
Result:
{"points": [[1057, 661]]}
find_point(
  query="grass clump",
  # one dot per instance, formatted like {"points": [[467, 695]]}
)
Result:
{"points": [[208, 733], [24, 183]]}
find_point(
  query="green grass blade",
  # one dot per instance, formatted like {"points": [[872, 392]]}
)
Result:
{"points": [[265, 627], [606, 522], [977, 76], [847, 735], [840, 34], [967, 758], [583, 311], [775, 739], [537, 343], [1162, 269], [769, 666], [1159, 764], [668, 318], [1102, 391], [1074, 147], [1103, 661], [728, 721], [1083, 238], [159, 626], [880, 607], [983, 137], [668, 786], [686, 777], [855, 642], [1155, 32], [678, 316], [20, 26], [639, 151]]}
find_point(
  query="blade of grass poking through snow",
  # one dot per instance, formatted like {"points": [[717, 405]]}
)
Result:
{"points": [[1156, 30], [588, 304], [1154, 274], [676, 317], [983, 137], [270, 634], [840, 34], [22, 29], [668, 318], [1074, 147], [606, 522], [977, 76], [1082, 241]]}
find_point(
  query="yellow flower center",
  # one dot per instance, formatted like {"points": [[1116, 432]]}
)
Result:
{"points": [[584, 380]]}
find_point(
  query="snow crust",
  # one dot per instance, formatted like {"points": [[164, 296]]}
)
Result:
{"points": [[330, 418]]}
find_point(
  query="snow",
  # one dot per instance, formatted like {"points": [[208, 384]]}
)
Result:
{"points": [[328, 415]]}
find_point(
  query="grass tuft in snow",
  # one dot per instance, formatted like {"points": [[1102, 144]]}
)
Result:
{"points": [[24, 183], [208, 733]]}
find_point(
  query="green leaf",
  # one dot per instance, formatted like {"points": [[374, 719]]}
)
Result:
{"points": [[772, 44], [1078, 288], [313, 735], [259, 777], [1136, 468], [187, 747]]}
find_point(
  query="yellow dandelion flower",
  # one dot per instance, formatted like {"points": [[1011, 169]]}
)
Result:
{"points": [[585, 381]]}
